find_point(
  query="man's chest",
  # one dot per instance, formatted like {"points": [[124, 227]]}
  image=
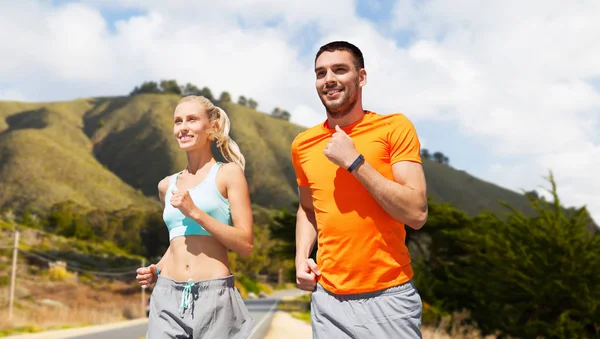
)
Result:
{"points": [[322, 173]]}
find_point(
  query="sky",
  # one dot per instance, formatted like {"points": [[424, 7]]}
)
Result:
{"points": [[507, 90]]}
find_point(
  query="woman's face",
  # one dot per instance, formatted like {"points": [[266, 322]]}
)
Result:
{"points": [[191, 126]]}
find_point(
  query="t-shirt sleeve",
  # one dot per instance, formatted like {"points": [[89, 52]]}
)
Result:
{"points": [[403, 140], [301, 178]]}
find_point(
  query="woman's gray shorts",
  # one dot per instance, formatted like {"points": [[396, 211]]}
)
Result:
{"points": [[392, 313], [205, 309]]}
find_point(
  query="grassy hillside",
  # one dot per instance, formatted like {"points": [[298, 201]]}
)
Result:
{"points": [[265, 142], [470, 194], [109, 153], [45, 158]]}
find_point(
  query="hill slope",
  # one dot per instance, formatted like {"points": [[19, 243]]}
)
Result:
{"points": [[102, 152], [470, 194], [45, 158]]}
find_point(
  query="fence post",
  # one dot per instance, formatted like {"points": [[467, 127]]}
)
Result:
{"points": [[143, 293], [13, 276]]}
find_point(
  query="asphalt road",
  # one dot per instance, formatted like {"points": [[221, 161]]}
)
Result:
{"points": [[262, 310]]}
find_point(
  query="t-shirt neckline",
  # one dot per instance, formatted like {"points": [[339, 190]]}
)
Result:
{"points": [[326, 127]]}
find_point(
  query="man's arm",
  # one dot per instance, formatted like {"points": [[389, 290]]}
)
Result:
{"points": [[307, 270], [306, 225], [403, 198]]}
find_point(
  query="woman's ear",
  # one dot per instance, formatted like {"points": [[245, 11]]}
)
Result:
{"points": [[212, 131]]}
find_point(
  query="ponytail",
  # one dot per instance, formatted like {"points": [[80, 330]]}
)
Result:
{"points": [[228, 147]]}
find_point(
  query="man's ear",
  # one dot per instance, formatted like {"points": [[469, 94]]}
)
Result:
{"points": [[362, 77]]}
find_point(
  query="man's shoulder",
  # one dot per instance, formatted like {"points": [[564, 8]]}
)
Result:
{"points": [[307, 134], [391, 118], [388, 123]]}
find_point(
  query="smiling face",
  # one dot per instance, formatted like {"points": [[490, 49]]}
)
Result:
{"points": [[191, 125], [338, 82]]}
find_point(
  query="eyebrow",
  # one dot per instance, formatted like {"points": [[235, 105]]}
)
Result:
{"points": [[186, 116], [334, 65]]}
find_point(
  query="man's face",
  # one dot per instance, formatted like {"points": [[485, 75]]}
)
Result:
{"points": [[338, 82]]}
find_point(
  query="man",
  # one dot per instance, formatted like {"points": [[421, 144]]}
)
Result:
{"points": [[360, 182]]}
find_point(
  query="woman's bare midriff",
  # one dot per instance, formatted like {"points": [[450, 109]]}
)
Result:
{"points": [[195, 257]]}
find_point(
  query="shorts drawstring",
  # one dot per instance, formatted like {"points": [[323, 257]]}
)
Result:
{"points": [[187, 296]]}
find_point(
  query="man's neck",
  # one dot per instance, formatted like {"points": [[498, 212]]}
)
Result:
{"points": [[355, 115]]}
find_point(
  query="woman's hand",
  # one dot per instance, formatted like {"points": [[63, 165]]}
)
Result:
{"points": [[146, 276], [183, 201]]}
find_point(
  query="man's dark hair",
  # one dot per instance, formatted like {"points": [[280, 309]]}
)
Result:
{"points": [[359, 61]]}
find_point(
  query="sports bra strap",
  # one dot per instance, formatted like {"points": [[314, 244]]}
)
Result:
{"points": [[173, 181], [211, 177]]}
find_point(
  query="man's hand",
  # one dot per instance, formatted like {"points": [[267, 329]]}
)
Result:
{"points": [[306, 274], [183, 201], [146, 276], [341, 150]]}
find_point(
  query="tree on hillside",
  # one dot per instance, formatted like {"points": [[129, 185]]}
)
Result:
{"points": [[283, 229], [280, 114], [190, 89], [440, 158], [242, 100], [523, 276], [225, 97], [260, 259], [425, 154], [30, 219], [146, 87], [166, 86], [206, 92], [170, 86], [252, 104]]}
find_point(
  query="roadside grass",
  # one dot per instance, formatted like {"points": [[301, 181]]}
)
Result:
{"points": [[52, 305], [298, 307]]}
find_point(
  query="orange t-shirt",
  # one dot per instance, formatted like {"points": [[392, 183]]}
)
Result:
{"points": [[360, 246]]}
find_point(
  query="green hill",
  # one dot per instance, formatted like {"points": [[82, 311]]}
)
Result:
{"points": [[470, 194], [109, 153], [45, 158]]}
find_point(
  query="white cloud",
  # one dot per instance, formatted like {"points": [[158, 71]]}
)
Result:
{"points": [[514, 75]]}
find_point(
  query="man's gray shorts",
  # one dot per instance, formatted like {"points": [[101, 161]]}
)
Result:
{"points": [[215, 309], [391, 313]]}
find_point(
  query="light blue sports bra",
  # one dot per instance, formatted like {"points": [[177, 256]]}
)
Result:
{"points": [[206, 196]]}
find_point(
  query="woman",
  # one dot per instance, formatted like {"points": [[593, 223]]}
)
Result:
{"points": [[207, 211]]}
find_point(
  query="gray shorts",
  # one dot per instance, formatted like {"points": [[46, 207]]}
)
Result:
{"points": [[391, 313], [206, 309]]}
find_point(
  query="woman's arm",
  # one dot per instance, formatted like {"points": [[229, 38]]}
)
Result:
{"points": [[149, 274]]}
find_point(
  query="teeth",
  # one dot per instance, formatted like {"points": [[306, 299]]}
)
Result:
{"points": [[333, 91]]}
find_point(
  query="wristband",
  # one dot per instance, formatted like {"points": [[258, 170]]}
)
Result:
{"points": [[356, 163]]}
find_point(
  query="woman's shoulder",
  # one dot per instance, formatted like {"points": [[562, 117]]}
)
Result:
{"points": [[231, 168], [163, 184], [232, 172]]}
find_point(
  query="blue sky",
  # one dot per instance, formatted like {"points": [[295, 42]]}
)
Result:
{"points": [[506, 89]]}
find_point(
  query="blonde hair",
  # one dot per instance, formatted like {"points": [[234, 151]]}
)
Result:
{"points": [[228, 148]]}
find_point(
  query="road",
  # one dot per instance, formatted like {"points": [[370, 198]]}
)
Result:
{"points": [[262, 311]]}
